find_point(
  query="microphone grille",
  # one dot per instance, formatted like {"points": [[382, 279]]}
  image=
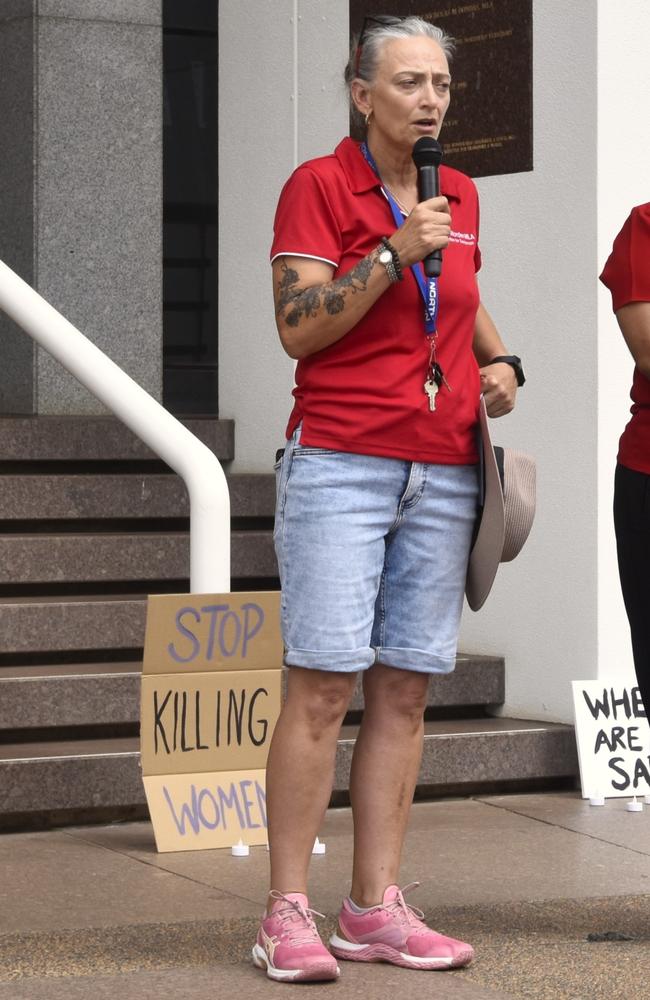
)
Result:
{"points": [[427, 152]]}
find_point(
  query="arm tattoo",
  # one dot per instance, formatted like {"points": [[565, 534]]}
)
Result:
{"points": [[293, 303]]}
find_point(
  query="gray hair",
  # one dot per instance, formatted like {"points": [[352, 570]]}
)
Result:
{"points": [[374, 39]]}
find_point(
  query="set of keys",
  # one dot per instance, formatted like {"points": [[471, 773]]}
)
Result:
{"points": [[434, 382]]}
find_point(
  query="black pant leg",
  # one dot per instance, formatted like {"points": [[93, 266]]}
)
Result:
{"points": [[632, 525]]}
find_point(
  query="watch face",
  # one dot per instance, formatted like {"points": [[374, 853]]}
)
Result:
{"points": [[385, 257]]}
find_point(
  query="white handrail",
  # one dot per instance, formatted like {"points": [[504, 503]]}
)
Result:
{"points": [[152, 423]]}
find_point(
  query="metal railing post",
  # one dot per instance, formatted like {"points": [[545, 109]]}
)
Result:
{"points": [[199, 468]]}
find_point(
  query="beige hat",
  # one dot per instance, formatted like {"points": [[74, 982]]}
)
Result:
{"points": [[506, 512]]}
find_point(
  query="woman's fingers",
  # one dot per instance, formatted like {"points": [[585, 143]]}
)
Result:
{"points": [[499, 388], [427, 228]]}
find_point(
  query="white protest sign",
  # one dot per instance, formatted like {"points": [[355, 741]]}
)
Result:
{"points": [[613, 738]]}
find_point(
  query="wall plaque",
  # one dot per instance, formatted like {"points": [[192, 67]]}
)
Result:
{"points": [[489, 125]]}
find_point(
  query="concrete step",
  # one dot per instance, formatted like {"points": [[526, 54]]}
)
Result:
{"points": [[126, 556], [64, 496], [89, 694], [92, 439], [71, 624], [91, 775]]}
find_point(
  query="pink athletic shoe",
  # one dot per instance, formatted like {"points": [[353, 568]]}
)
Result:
{"points": [[395, 932], [288, 945]]}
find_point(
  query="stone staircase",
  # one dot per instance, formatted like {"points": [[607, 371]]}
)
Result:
{"points": [[90, 523]]}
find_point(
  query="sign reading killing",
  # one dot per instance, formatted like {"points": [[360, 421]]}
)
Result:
{"points": [[488, 128]]}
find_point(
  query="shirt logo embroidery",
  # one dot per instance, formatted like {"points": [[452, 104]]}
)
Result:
{"points": [[468, 239]]}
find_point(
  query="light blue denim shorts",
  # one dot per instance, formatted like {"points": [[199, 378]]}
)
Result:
{"points": [[372, 554]]}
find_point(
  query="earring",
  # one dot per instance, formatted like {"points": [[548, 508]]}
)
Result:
{"points": [[368, 117]]}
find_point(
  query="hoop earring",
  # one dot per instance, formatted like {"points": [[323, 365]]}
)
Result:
{"points": [[368, 117]]}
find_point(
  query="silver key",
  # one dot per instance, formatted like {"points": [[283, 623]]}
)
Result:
{"points": [[431, 390]]}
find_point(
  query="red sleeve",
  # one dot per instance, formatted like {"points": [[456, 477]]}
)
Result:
{"points": [[478, 260], [627, 271], [305, 224]]}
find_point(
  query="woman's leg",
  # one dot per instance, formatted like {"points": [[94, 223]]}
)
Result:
{"points": [[300, 770], [632, 523], [384, 773]]}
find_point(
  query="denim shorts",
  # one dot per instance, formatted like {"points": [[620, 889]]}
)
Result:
{"points": [[372, 554]]}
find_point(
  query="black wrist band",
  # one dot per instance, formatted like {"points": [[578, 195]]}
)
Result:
{"points": [[397, 264], [515, 364]]}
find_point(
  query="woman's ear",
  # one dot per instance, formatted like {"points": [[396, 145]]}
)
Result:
{"points": [[360, 93]]}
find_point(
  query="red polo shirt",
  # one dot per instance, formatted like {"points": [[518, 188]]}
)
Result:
{"points": [[365, 393], [627, 275]]}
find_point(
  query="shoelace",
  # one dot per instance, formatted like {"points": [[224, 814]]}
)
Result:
{"points": [[305, 929], [403, 911]]}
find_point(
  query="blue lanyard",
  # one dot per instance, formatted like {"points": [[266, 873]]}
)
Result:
{"points": [[428, 287]]}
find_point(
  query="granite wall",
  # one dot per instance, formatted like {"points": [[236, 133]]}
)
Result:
{"points": [[81, 187]]}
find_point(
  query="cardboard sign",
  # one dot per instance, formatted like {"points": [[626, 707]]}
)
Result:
{"points": [[216, 809], [613, 739], [211, 695], [195, 632], [208, 722]]}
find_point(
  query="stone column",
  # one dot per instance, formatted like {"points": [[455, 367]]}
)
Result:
{"points": [[81, 187]]}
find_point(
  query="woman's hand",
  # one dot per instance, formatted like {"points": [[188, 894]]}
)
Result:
{"points": [[427, 228], [498, 382], [499, 388]]}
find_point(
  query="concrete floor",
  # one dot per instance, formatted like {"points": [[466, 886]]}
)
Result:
{"points": [[90, 912]]}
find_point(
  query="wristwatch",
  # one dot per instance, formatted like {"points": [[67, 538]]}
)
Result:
{"points": [[515, 364], [389, 257], [386, 258]]}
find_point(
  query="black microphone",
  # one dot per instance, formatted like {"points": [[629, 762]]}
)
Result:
{"points": [[427, 154]]}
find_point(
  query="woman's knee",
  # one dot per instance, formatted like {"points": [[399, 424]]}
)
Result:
{"points": [[401, 694], [321, 698]]}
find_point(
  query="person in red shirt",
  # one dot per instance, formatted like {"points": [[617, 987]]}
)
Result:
{"points": [[627, 275], [377, 491]]}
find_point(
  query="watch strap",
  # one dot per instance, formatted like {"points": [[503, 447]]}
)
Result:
{"points": [[515, 364], [397, 264]]}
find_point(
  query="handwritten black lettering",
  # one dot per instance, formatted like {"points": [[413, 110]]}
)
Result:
{"points": [[236, 713], [632, 739], [158, 726], [597, 707], [197, 721], [614, 766], [184, 746], [622, 702], [263, 723], [637, 704]]}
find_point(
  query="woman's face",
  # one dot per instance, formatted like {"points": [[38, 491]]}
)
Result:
{"points": [[410, 94]]}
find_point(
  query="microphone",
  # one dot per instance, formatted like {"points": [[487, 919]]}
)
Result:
{"points": [[427, 154]]}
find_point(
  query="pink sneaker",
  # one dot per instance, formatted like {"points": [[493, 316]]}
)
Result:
{"points": [[288, 945], [395, 932]]}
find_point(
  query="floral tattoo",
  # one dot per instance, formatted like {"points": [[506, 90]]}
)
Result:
{"points": [[294, 303]]}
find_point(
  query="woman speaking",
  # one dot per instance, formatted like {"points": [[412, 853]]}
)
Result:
{"points": [[376, 491]]}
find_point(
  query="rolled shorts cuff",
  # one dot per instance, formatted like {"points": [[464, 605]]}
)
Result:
{"points": [[418, 660], [345, 661]]}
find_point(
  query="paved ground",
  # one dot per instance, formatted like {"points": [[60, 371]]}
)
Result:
{"points": [[95, 912]]}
